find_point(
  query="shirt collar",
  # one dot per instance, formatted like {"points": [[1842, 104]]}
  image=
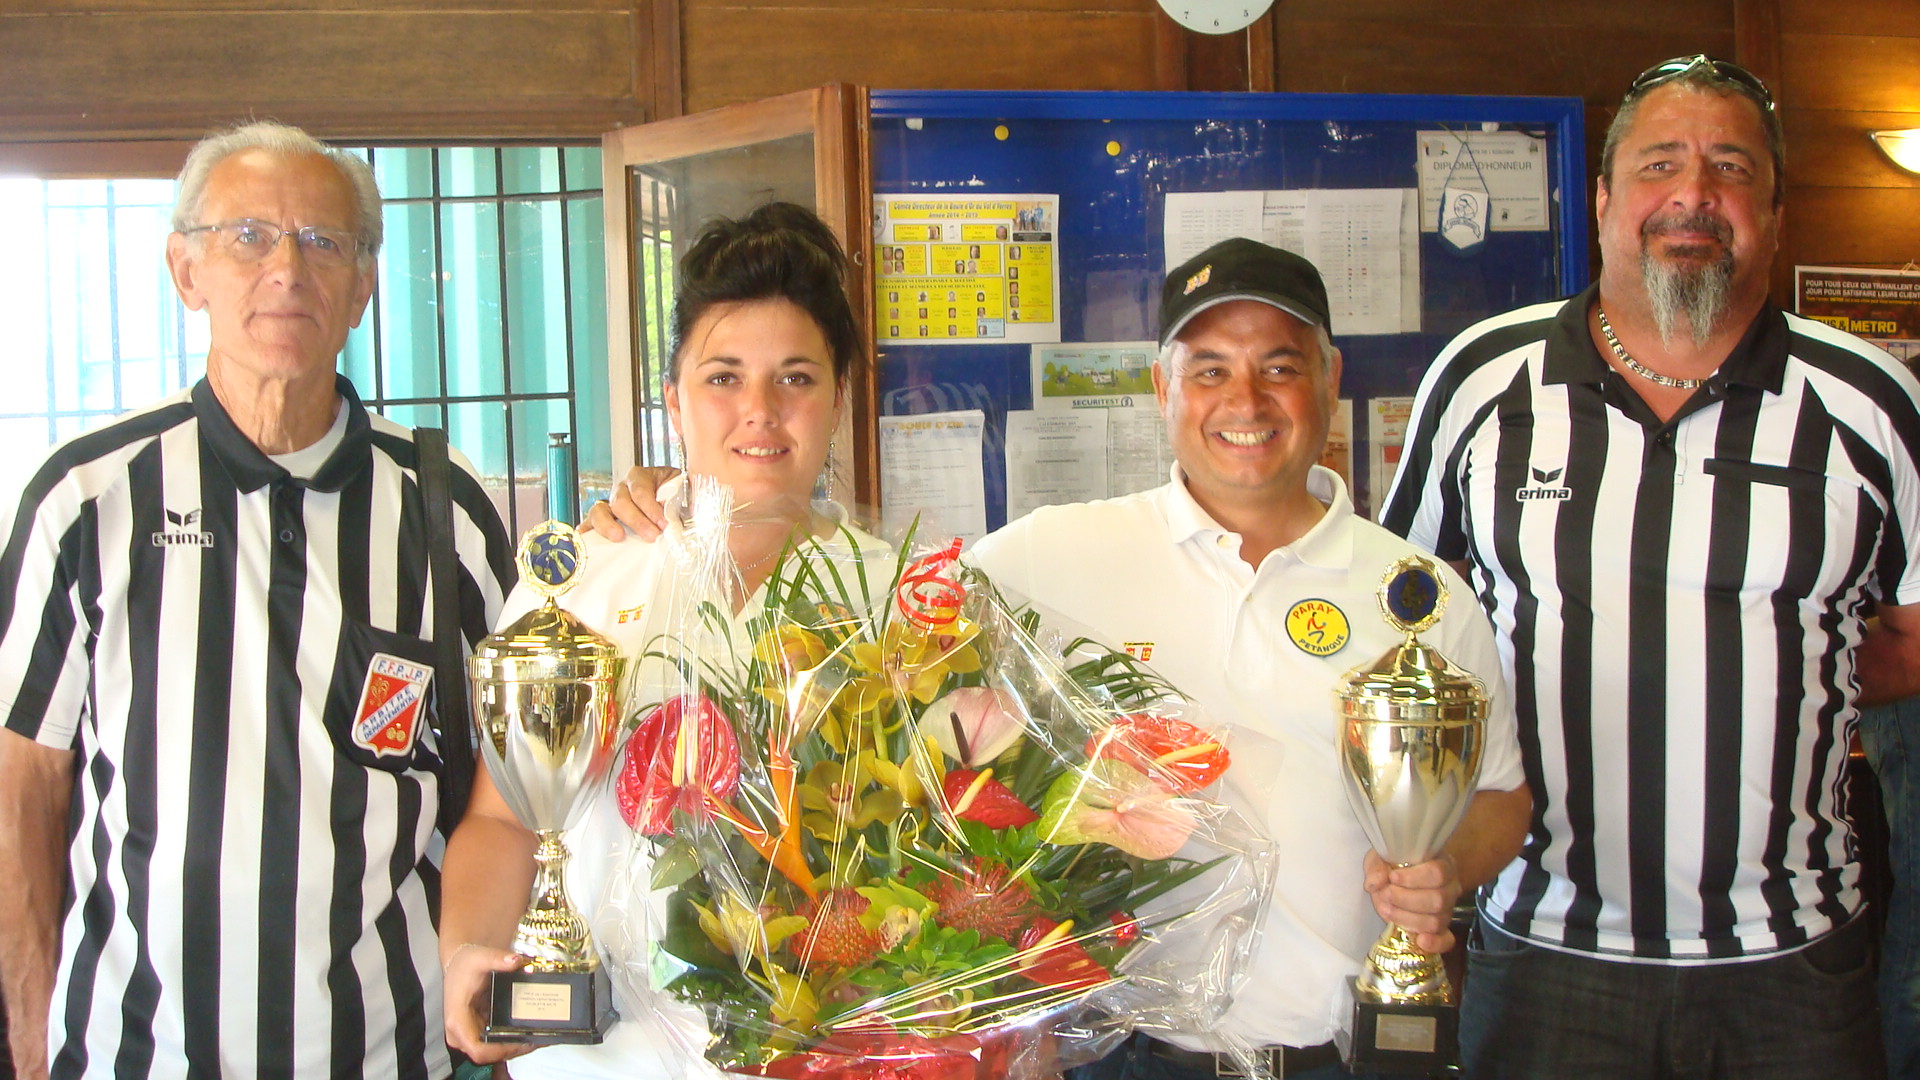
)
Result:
{"points": [[1759, 360], [1329, 543], [251, 470]]}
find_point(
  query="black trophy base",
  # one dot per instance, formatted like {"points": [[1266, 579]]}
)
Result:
{"points": [[1402, 1040], [540, 1008]]}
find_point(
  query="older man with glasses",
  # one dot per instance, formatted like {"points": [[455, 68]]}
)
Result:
{"points": [[1680, 505], [223, 761]]}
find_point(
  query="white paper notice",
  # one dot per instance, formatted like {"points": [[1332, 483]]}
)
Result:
{"points": [[1055, 458], [1358, 237], [1354, 238], [1197, 220], [1510, 166], [930, 467], [1387, 419], [1138, 456]]}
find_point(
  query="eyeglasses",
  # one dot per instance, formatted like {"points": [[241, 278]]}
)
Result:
{"points": [[252, 240], [1740, 77]]}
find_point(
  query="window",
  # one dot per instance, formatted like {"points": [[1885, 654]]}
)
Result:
{"points": [[489, 315]]}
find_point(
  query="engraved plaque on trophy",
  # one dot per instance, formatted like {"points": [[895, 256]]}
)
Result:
{"points": [[1412, 730], [544, 692]]}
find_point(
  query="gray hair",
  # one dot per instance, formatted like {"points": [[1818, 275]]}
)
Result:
{"points": [[282, 140], [1320, 337], [1701, 79]]}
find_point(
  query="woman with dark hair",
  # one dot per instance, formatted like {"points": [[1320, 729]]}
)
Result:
{"points": [[764, 342]]}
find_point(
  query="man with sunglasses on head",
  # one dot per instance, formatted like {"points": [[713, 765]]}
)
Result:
{"points": [[1680, 505], [221, 773]]}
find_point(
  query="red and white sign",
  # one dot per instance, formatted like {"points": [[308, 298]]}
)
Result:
{"points": [[388, 719]]}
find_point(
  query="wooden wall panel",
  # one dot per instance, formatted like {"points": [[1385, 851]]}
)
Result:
{"points": [[360, 69], [1850, 71], [742, 52], [1841, 78]]}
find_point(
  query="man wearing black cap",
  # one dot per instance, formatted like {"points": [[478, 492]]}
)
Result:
{"points": [[1248, 582]]}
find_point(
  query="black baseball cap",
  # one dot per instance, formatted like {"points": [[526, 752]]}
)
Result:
{"points": [[1242, 269]]}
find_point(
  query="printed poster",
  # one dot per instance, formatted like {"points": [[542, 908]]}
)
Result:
{"points": [[966, 269], [1882, 306]]}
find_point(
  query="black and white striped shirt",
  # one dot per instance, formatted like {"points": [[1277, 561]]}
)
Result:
{"points": [[1678, 605], [237, 660]]}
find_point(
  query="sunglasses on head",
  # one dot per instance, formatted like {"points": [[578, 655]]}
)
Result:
{"points": [[1731, 72]]}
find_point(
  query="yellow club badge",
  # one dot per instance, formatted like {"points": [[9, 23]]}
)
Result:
{"points": [[1318, 627], [1205, 275]]}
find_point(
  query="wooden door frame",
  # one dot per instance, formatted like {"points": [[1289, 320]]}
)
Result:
{"points": [[836, 116]]}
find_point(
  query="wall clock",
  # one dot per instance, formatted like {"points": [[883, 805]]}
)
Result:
{"points": [[1215, 16]]}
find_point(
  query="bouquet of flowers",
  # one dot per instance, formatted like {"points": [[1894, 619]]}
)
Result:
{"points": [[887, 833]]}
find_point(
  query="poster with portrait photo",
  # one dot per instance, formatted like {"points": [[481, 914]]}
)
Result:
{"points": [[1002, 249]]}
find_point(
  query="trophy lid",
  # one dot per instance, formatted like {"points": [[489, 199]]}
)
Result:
{"points": [[550, 559], [1412, 682]]}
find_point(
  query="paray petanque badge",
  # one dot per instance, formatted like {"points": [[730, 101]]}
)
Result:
{"points": [[1318, 627]]}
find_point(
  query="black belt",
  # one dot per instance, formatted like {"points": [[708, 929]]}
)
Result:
{"points": [[1281, 1061]]}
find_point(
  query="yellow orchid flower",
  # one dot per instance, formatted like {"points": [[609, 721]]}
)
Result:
{"points": [[836, 799], [745, 931], [909, 780], [795, 1006], [791, 649]]}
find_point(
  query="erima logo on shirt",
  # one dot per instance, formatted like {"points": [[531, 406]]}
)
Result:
{"points": [[183, 529], [1541, 489]]}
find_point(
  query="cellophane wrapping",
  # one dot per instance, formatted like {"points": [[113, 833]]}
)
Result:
{"points": [[880, 830]]}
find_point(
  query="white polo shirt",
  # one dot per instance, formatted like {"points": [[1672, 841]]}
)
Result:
{"points": [[1154, 573]]}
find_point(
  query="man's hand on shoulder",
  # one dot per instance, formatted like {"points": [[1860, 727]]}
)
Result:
{"points": [[635, 507]]}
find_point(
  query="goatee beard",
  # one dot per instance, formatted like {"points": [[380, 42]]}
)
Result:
{"points": [[1699, 293]]}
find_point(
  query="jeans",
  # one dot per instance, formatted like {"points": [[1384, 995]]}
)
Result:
{"points": [[1535, 1013], [1890, 734], [1132, 1061]]}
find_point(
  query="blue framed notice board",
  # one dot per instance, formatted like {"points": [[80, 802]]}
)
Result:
{"points": [[1112, 159]]}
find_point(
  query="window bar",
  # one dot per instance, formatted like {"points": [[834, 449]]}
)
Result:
{"points": [[660, 344], [566, 313], [46, 262], [373, 309], [439, 291], [506, 339], [113, 303]]}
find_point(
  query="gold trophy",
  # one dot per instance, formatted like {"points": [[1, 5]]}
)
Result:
{"points": [[544, 692], [1412, 730]]}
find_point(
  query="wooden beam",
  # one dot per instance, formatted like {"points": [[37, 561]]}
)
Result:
{"points": [[1756, 39], [668, 69]]}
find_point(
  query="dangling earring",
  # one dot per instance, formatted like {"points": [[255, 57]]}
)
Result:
{"points": [[829, 472]]}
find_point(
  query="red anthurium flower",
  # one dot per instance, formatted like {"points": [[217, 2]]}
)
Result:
{"points": [[1054, 959], [977, 796], [682, 756], [1173, 752]]}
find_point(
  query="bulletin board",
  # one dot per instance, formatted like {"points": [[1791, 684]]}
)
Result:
{"points": [[1093, 171]]}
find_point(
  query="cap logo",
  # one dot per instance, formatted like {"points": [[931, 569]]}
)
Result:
{"points": [[1199, 279]]}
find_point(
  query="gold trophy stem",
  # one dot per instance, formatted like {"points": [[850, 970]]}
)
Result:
{"points": [[1398, 972], [551, 935]]}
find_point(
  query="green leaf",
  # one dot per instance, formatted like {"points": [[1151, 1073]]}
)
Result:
{"points": [[674, 865]]}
